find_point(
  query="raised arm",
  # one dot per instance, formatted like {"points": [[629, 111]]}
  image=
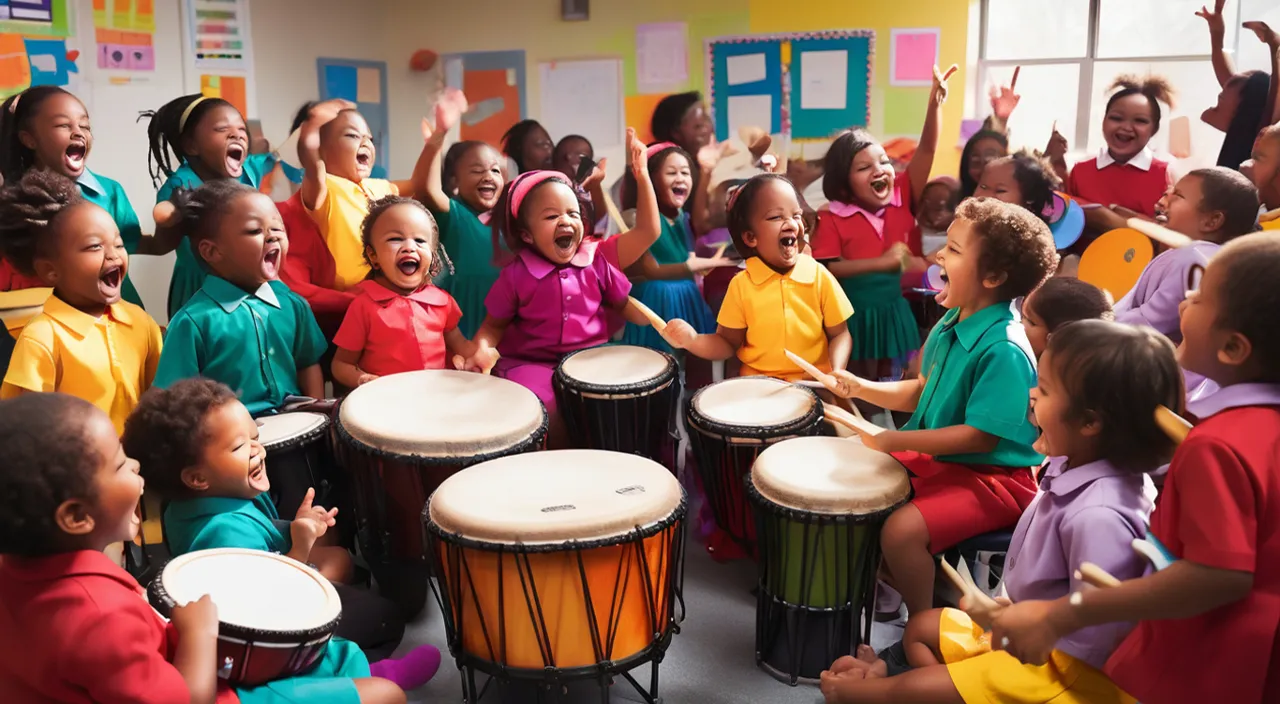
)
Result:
{"points": [[1222, 67], [1269, 37], [922, 161], [633, 243], [449, 109]]}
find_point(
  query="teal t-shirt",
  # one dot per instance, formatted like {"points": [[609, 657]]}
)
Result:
{"points": [[110, 196], [253, 342], [211, 522], [672, 246], [469, 244], [188, 273], [979, 372]]}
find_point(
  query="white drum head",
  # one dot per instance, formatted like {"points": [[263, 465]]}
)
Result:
{"points": [[254, 589], [273, 430], [830, 476], [753, 401], [555, 496], [615, 365], [441, 414]]}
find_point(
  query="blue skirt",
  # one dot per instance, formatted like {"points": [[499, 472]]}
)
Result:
{"points": [[670, 300], [330, 681]]}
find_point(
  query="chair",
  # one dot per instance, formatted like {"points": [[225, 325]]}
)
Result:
{"points": [[985, 553]]}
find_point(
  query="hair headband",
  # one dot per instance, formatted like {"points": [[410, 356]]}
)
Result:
{"points": [[524, 183], [653, 150], [182, 121]]}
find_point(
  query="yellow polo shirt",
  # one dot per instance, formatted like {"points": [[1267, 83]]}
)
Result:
{"points": [[339, 217], [108, 361], [784, 312]]}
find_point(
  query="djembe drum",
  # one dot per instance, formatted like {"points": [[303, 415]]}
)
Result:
{"points": [[618, 397]]}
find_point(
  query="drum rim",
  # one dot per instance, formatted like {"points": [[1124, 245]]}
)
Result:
{"points": [[537, 437], [708, 426], [164, 602], [644, 532], [301, 438], [764, 503], [652, 384]]}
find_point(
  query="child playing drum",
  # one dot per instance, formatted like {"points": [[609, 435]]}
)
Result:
{"points": [[76, 628]]}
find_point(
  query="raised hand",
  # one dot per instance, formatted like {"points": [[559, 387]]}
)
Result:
{"points": [[1005, 98], [1056, 150], [450, 107], [940, 78], [597, 174], [1217, 26], [709, 156], [636, 154], [1265, 33]]}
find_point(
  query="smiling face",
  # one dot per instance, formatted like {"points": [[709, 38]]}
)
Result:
{"points": [[117, 484], [983, 152], [871, 178], [1061, 434], [479, 177], [248, 249], [569, 154], [776, 225], [536, 151], [346, 145], [88, 262], [1263, 168], [1128, 125], [403, 240], [553, 222], [694, 130], [217, 145], [60, 136], [673, 181], [233, 463], [998, 181]]}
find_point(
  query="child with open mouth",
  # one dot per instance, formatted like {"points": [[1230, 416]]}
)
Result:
{"points": [[400, 321], [243, 327]]}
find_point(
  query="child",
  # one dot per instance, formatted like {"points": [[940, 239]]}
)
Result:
{"points": [[528, 146], [243, 327], [463, 217], [665, 274], [683, 119], [194, 139], [1099, 385], [553, 298], [337, 155], [76, 628], [937, 210], [982, 148], [1264, 168], [1246, 102], [1059, 301], [1125, 172], [47, 128], [1024, 179], [968, 443], [399, 321], [1211, 206], [783, 296], [1216, 516], [86, 342], [862, 237]]}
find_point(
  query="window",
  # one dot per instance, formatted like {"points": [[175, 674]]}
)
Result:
{"points": [[1071, 50]]}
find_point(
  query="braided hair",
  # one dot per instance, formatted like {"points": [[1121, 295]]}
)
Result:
{"points": [[15, 117], [28, 210], [200, 210], [167, 128]]}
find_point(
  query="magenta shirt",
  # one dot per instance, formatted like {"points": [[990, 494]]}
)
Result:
{"points": [[1088, 514], [553, 309]]}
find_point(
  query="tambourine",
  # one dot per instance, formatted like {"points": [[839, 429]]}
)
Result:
{"points": [[1115, 261], [1066, 220]]}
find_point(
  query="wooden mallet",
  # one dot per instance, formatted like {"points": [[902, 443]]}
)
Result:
{"points": [[838, 415], [1160, 234], [1174, 425], [658, 323]]}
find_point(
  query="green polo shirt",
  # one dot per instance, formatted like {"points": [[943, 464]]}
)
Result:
{"points": [[253, 342], [979, 372], [110, 196], [218, 522]]}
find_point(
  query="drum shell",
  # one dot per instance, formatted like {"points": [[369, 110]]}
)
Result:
{"points": [[299, 463], [632, 418]]}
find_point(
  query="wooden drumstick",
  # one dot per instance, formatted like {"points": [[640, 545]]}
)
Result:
{"points": [[1174, 425], [981, 606], [658, 323], [818, 375], [1160, 234], [1270, 216], [1095, 575], [836, 414], [720, 250], [614, 214]]}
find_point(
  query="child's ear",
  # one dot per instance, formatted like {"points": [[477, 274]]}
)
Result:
{"points": [[1213, 221], [995, 280], [208, 250], [1237, 350], [749, 238], [194, 479], [45, 271], [372, 256], [72, 517], [27, 139], [1091, 425], [526, 236]]}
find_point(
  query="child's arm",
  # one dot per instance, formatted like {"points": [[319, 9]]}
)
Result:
{"points": [[470, 355], [717, 346], [893, 395], [634, 243], [1217, 34], [346, 372], [922, 161], [649, 268], [839, 345], [311, 381], [449, 108], [310, 523], [889, 262], [196, 654], [952, 440], [1268, 36], [491, 331], [314, 189]]}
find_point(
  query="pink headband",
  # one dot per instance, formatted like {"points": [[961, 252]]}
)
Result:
{"points": [[653, 150], [524, 183]]}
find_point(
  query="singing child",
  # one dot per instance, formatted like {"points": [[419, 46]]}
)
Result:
{"points": [[1264, 170]]}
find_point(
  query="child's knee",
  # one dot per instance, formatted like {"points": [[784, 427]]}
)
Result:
{"points": [[375, 690], [923, 628], [905, 529]]}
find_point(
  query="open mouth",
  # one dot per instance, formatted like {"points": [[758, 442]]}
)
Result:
{"points": [[258, 475], [75, 156], [1124, 140], [235, 159], [788, 243], [565, 242], [271, 261], [882, 186], [680, 191], [487, 191], [408, 266], [110, 279], [364, 159]]}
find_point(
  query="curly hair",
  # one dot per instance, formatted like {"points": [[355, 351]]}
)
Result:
{"points": [[738, 219], [1036, 180], [166, 128], [1156, 89], [1014, 243], [166, 432], [839, 161], [15, 116], [382, 205], [1065, 299], [1248, 299], [29, 209], [200, 209], [49, 459]]}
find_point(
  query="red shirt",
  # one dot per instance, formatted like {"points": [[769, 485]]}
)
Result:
{"points": [[308, 269], [1127, 184], [848, 234], [74, 628], [396, 333], [13, 280], [1220, 508]]}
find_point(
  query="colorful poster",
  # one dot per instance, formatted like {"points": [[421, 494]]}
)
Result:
{"points": [[124, 31], [219, 33], [232, 89], [33, 48], [365, 84], [494, 82], [35, 18]]}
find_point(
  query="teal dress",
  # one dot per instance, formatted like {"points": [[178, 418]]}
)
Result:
{"points": [[110, 196], [670, 299], [188, 272], [469, 244], [882, 324]]}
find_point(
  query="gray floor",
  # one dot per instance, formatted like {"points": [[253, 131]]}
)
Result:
{"points": [[711, 660]]}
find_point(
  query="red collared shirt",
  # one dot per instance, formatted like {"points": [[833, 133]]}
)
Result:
{"points": [[396, 333], [1136, 185], [848, 232], [75, 628], [309, 269]]}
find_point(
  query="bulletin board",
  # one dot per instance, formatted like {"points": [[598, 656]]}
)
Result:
{"points": [[365, 84], [494, 82], [584, 97], [33, 45], [806, 85]]}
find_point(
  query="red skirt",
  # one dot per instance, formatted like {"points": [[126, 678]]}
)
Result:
{"points": [[959, 501]]}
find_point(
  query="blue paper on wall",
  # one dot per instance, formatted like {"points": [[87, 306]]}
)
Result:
{"points": [[50, 65], [342, 82]]}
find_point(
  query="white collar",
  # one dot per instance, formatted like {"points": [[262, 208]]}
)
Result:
{"points": [[1142, 160]]}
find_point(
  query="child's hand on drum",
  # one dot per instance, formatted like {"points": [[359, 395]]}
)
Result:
{"points": [[196, 619], [365, 378], [678, 334], [847, 385], [481, 361]]}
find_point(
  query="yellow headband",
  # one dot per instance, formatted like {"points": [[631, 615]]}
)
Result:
{"points": [[182, 122]]}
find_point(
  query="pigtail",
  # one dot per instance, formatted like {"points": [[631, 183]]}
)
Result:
{"points": [[1156, 89], [28, 208], [165, 130]]}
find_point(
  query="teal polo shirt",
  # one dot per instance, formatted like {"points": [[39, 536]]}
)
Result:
{"points": [[253, 342], [110, 196], [211, 522], [979, 372], [188, 273]]}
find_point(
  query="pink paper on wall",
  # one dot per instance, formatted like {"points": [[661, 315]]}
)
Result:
{"points": [[912, 55]]}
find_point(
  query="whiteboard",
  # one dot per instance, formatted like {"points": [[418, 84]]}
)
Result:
{"points": [[584, 97]]}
